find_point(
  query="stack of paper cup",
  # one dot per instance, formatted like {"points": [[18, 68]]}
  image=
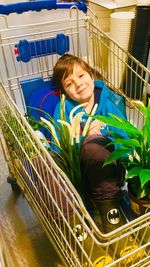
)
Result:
{"points": [[120, 29], [143, 2]]}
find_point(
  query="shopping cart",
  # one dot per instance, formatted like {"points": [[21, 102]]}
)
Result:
{"points": [[28, 54]]}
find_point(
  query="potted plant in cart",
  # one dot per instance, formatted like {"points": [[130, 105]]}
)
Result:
{"points": [[66, 140], [134, 151]]}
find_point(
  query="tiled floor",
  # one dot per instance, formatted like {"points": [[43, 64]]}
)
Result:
{"points": [[26, 243]]}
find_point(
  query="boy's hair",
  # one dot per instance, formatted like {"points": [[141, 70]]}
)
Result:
{"points": [[64, 68]]}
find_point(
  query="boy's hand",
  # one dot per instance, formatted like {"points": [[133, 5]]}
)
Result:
{"points": [[95, 127]]}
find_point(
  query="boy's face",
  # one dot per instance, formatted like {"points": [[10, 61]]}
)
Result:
{"points": [[79, 85]]}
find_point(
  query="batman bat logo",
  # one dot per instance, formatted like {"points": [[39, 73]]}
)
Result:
{"points": [[81, 234], [113, 216]]}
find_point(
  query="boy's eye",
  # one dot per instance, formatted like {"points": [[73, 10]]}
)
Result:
{"points": [[81, 75], [68, 85]]}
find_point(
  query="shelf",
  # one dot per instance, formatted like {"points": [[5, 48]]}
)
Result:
{"points": [[109, 4]]}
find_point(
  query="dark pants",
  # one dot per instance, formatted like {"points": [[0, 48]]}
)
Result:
{"points": [[100, 182]]}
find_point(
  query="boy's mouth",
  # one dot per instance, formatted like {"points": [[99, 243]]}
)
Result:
{"points": [[81, 91]]}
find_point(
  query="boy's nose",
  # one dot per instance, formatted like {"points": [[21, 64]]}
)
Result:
{"points": [[78, 82]]}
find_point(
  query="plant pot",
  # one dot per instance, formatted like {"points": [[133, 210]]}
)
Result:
{"points": [[138, 206]]}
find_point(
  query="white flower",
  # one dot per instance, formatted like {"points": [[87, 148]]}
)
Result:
{"points": [[131, 158], [75, 121], [52, 129], [74, 110], [137, 156], [70, 130], [62, 110], [87, 125], [76, 125]]}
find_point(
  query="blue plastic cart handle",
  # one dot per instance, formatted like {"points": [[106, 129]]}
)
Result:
{"points": [[27, 50], [39, 5]]}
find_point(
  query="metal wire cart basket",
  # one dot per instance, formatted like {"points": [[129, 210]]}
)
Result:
{"points": [[28, 54]]}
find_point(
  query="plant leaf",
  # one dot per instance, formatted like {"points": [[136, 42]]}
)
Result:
{"points": [[133, 172], [116, 154], [144, 176], [148, 123], [116, 135], [47, 115], [140, 106], [127, 142], [120, 123], [141, 193]]}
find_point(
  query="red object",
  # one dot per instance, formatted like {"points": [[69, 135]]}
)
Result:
{"points": [[49, 93], [16, 51]]}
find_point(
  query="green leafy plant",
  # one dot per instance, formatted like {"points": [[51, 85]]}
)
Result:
{"points": [[18, 142], [34, 124], [66, 141], [133, 150]]}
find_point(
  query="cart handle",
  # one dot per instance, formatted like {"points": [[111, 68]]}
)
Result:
{"points": [[38, 5]]}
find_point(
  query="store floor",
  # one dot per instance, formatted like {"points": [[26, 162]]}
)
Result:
{"points": [[26, 244]]}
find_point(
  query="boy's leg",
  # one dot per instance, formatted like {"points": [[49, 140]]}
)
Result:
{"points": [[102, 183]]}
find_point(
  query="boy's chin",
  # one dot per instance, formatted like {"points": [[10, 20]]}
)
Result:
{"points": [[85, 97]]}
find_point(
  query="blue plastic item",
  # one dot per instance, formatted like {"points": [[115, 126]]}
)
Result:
{"points": [[37, 92], [27, 50], [41, 94], [39, 5], [45, 99], [29, 86]]}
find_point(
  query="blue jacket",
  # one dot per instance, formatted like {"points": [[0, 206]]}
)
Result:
{"points": [[109, 102]]}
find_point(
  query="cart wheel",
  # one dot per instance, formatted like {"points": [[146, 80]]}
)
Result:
{"points": [[15, 187]]}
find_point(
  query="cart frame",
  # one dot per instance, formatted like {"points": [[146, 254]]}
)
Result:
{"points": [[43, 183]]}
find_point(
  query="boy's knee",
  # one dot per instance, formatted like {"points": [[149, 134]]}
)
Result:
{"points": [[94, 148]]}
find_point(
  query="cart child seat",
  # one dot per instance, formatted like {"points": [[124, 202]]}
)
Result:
{"points": [[39, 96]]}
